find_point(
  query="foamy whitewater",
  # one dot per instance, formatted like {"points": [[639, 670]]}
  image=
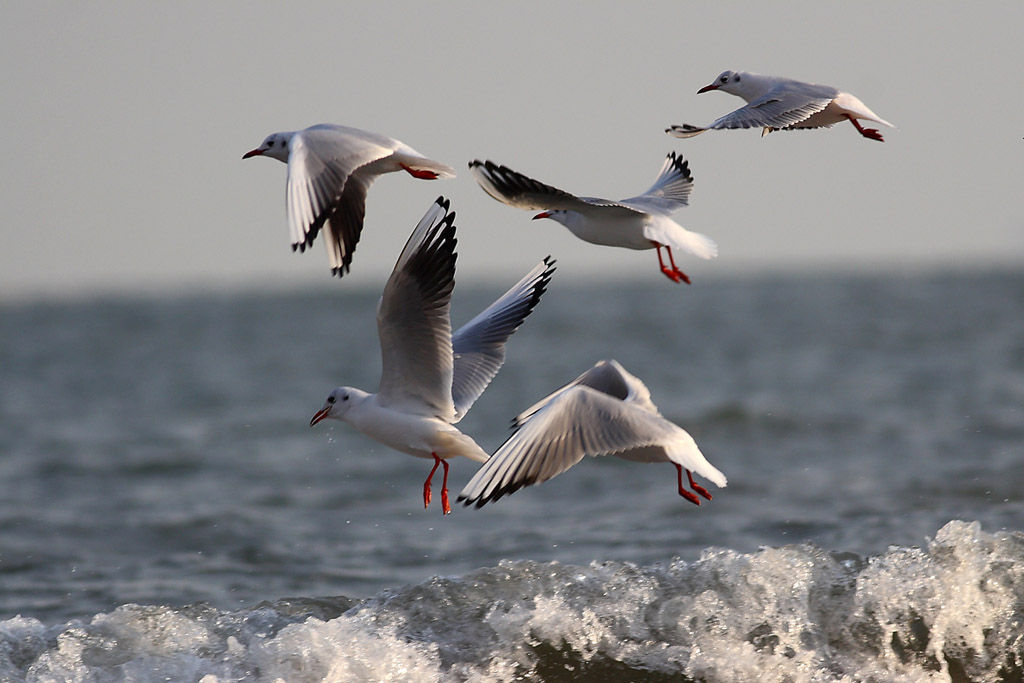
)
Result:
{"points": [[950, 611], [166, 514]]}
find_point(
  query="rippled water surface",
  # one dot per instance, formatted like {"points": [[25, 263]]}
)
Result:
{"points": [[157, 453]]}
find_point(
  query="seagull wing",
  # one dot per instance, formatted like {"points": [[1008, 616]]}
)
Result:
{"points": [[608, 377], [670, 191], [413, 320], [575, 421], [321, 163], [788, 103], [515, 189], [479, 345]]}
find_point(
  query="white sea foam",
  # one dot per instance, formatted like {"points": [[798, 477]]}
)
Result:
{"points": [[952, 610]]}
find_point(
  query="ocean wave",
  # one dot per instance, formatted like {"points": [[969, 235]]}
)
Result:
{"points": [[952, 610]]}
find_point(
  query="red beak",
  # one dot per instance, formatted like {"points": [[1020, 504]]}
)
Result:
{"points": [[320, 415], [253, 153], [706, 88], [542, 214]]}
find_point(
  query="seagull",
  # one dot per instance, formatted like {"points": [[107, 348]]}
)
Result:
{"points": [[430, 377], [604, 411], [775, 103], [330, 170], [642, 222]]}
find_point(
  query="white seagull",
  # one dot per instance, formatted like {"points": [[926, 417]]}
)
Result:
{"points": [[430, 377], [330, 170], [641, 222], [775, 103], [604, 411]]}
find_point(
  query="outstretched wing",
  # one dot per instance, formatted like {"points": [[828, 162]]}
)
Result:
{"points": [[670, 191], [522, 192], [479, 345], [784, 105], [413, 319], [515, 189], [606, 376], [575, 421], [321, 191]]}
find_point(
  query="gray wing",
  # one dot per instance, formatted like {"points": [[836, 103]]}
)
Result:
{"points": [[479, 345], [608, 377], [344, 224], [788, 103], [670, 191], [413, 319], [574, 422], [520, 191], [515, 189], [321, 163]]}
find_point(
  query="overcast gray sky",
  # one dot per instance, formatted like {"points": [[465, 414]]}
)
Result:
{"points": [[124, 126]]}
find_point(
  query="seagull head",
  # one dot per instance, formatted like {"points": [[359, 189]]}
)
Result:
{"points": [[554, 214], [721, 83], [274, 146], [739, 83], [335, 406]]}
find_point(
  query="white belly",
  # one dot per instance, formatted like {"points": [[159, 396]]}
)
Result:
{"points": [[628, 234], [418, 435]]}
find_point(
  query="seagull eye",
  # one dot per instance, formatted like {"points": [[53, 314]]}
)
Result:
{"points": [[330, 399], [724, 79], [270, 143]]}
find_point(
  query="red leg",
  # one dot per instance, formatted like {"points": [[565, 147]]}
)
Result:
{"points": [[683, 492], [426, 484], [675, 268], [445, 507], [420, 173], [869, 133], [697, 487], [673, 274]]}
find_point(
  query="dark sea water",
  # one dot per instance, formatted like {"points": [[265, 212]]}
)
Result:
{"points": [[166, 512]]}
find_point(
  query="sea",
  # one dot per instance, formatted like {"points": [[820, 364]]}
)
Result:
{"points": [[168, 514]]}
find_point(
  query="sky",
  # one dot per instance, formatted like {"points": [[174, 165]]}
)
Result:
{"points": [[125, 123]]}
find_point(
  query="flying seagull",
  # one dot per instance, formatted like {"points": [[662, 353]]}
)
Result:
{"points": [[604, 411], [775, 103], [430, 377], [330, 170], [641, 222]]}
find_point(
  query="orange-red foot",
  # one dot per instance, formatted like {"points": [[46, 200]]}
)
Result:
{"points": [[426, 485], [446, 509], [420, 173], [697, 487], [675, 275], [683, 492], [869, 133]]}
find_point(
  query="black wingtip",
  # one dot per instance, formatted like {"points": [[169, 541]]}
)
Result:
{"points": [[681, 164], [543, 281], [432, 264], [498, 493]]}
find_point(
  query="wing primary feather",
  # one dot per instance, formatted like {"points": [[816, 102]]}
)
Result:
{"points": [[479, 345]]}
